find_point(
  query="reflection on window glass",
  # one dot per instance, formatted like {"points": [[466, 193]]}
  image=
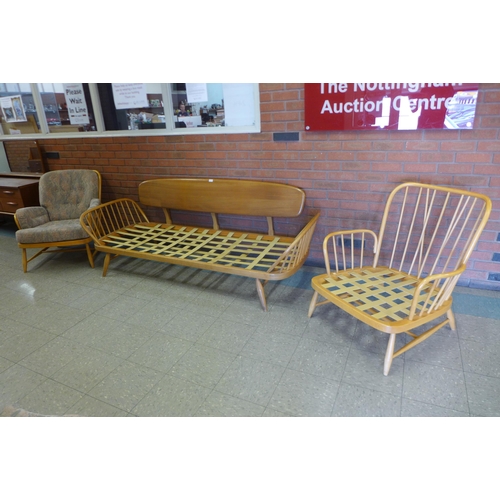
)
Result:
{"points": [[17, 109], [67, 107], [132, 106], [212, 104]]}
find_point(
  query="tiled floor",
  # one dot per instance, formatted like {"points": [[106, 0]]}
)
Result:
{"points": [[158, 340]]}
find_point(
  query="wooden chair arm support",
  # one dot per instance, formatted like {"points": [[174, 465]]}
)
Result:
{"points": [[427, 287], [295, 255], [350, 233]]}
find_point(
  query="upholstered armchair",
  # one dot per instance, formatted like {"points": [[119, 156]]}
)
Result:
{"points": [[55, 226]]}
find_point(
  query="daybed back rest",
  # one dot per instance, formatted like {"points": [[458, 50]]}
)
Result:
{"points": [[431, 229], [224, 196], [66, 194]]}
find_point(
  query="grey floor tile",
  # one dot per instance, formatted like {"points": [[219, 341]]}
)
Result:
{"points": [[435, 385], [222, 405], [152, 339], [483, 395], [61, 320], [412, 408], [442, 350], [210, 303], [370, 339], [94, 300], [154, 315], [69, 293], [188, 325], [271, 346], [110, 335], [304, 395], [122, 307], [53, 356], [148, 289], [86, 370], [13, 302], [22, 344], [297, 299], [161, 352], [281, 319], [126, 385], [203, 365], [251, 380], [481, 358], [320, 358], [245, 310], [365, 369], [50, 398], [179, 295], [269, 412], [331, 324], [229, 336], [357, 401], [4, 364], [17, 382], [172, 397], [91, 407], [478, 329]]}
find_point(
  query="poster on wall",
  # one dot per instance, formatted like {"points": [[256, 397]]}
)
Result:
{"points": [[13, 109], [130, 95], [393, 106], [76, 103]]}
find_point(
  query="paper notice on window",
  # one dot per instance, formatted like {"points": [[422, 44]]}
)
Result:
{"points": [[239, 104], [13, 109], [76, 103], [196, 92], [130, 95]]}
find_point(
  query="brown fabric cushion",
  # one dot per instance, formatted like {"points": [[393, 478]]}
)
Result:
{"points": [[52, 231], [31, 216], [66, 194]]}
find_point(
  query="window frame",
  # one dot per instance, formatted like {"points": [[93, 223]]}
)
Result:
{"points": [[99, 121]]}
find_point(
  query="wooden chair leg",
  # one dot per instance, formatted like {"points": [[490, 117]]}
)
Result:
{"points": [[312, 305], [451, 319], [262, 295], [25, 260], [90, 256], [389, 353], [106, 264]]}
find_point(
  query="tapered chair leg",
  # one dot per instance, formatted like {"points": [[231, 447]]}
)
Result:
{"points": [[389, 353], [312, 305], [262, 295], [451, 319], [25, 260]]}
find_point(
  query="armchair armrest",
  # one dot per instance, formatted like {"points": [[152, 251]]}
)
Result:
{"points": [[348, 248], [433, 291], [94, 202], [28, 217]]}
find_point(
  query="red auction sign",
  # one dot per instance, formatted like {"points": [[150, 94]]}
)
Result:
{"points": [[394, 106]]}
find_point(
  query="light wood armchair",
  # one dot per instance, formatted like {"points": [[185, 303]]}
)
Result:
{"points": [[426, 237], [54, 226]]}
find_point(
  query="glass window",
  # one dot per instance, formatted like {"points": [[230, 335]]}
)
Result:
{"points": [[213, 104], [120, 109], [17, 109], [132, 106], [67, 107]]}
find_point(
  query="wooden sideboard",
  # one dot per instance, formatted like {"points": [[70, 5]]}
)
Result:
{"points": [[17, 191]]}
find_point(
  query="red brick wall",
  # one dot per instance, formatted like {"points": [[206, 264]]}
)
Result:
{"points": [[346, 175]]}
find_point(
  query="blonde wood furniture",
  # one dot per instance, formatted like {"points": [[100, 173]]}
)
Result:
{"points": [[54, 224], [425, 240], [121, 227]]}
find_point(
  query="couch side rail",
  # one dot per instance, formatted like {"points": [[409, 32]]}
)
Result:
{"points": [[110, 217]]}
